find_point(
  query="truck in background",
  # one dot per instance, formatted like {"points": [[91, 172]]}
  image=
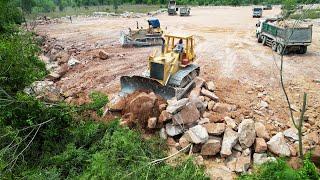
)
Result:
{"points": [[283, 40], [257, 12], [172, 8], [184, 11]]}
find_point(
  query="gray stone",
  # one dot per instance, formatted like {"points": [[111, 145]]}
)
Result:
{"points": [[291, 133], [197, 134], [230, 139], [163, 134], [204, 121], [172, 130], [174, 106], [209, 94], [278, 145], [247, 133], [72, 62]]}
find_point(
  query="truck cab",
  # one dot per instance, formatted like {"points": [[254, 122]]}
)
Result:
{"points": [[172, 7], [257, 12]]}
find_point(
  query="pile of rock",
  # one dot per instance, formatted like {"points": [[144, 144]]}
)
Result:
{"points": [[196, 120]]}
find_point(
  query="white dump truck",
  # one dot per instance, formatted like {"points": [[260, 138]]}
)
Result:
{"points": [[286, 39]]}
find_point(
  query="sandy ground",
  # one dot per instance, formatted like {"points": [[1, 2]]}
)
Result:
{"points": [[227, 51]]}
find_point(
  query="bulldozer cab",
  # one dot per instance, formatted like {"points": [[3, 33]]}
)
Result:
{"points": [[187, 54], [154, 25]]}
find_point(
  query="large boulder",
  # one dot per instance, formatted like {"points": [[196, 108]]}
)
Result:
{"points": [[142, 107], [211, 147], [277, 145], [261, 131], [247, 133], [198, 103], [230, 139], [175, 105], [197, 134], [209, 94], [172, 130], [117, 103], [188, 115], [215, 128]]}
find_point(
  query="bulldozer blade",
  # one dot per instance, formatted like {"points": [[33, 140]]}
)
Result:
{"points": [[134, 83]]}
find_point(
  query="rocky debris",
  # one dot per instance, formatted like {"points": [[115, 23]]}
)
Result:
{"points": [[230, 139], [215, 128], [230, 123], [175, 105], [152, 122], [243, 164], [103, 55], [278, 145], [311, 139], [72, 62], [45, 90], [295, 163], [259, 159], [210, 86], [209, 94], [247, 133], [197, 134], [211, 147], [117, 103], [223, 108], [291, 133], [198, 103], [260, 146], [261, 131], [172, 130], [199, 160], [188, 115], [53, 76]]}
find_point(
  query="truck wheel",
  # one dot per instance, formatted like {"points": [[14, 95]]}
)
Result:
{"points": [[264, 40], [303, 49], [274, 46], [259, 38], [280, 49]]}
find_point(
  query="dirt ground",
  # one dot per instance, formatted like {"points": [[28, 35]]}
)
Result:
{"points": [[227, 52]]}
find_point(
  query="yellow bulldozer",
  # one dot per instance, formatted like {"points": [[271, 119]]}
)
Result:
{"points": [[171, 73]]}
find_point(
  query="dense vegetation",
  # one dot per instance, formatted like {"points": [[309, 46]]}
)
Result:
{"points": [[40, 140], [280, 170], [52, 5]]}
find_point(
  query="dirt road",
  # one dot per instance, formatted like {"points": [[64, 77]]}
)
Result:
{"points": [[227, 50]]}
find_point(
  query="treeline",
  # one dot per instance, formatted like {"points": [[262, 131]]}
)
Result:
{"points": [[52, 5]]}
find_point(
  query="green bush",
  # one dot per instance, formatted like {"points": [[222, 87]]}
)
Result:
{"points": [[9, 16], [280, 170]]}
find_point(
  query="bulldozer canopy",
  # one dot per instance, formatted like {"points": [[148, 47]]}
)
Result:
{"points": [[155, 23]]}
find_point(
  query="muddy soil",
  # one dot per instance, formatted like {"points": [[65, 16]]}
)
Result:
{"points": [[227, 51]]}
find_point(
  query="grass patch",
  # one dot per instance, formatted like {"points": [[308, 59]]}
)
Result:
{"points": [[280, 170]]}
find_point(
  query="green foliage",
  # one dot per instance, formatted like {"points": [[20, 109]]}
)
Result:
{"points": [[9, 15], [280, 170], [98, 101], [307, 14], [19, 64]]}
